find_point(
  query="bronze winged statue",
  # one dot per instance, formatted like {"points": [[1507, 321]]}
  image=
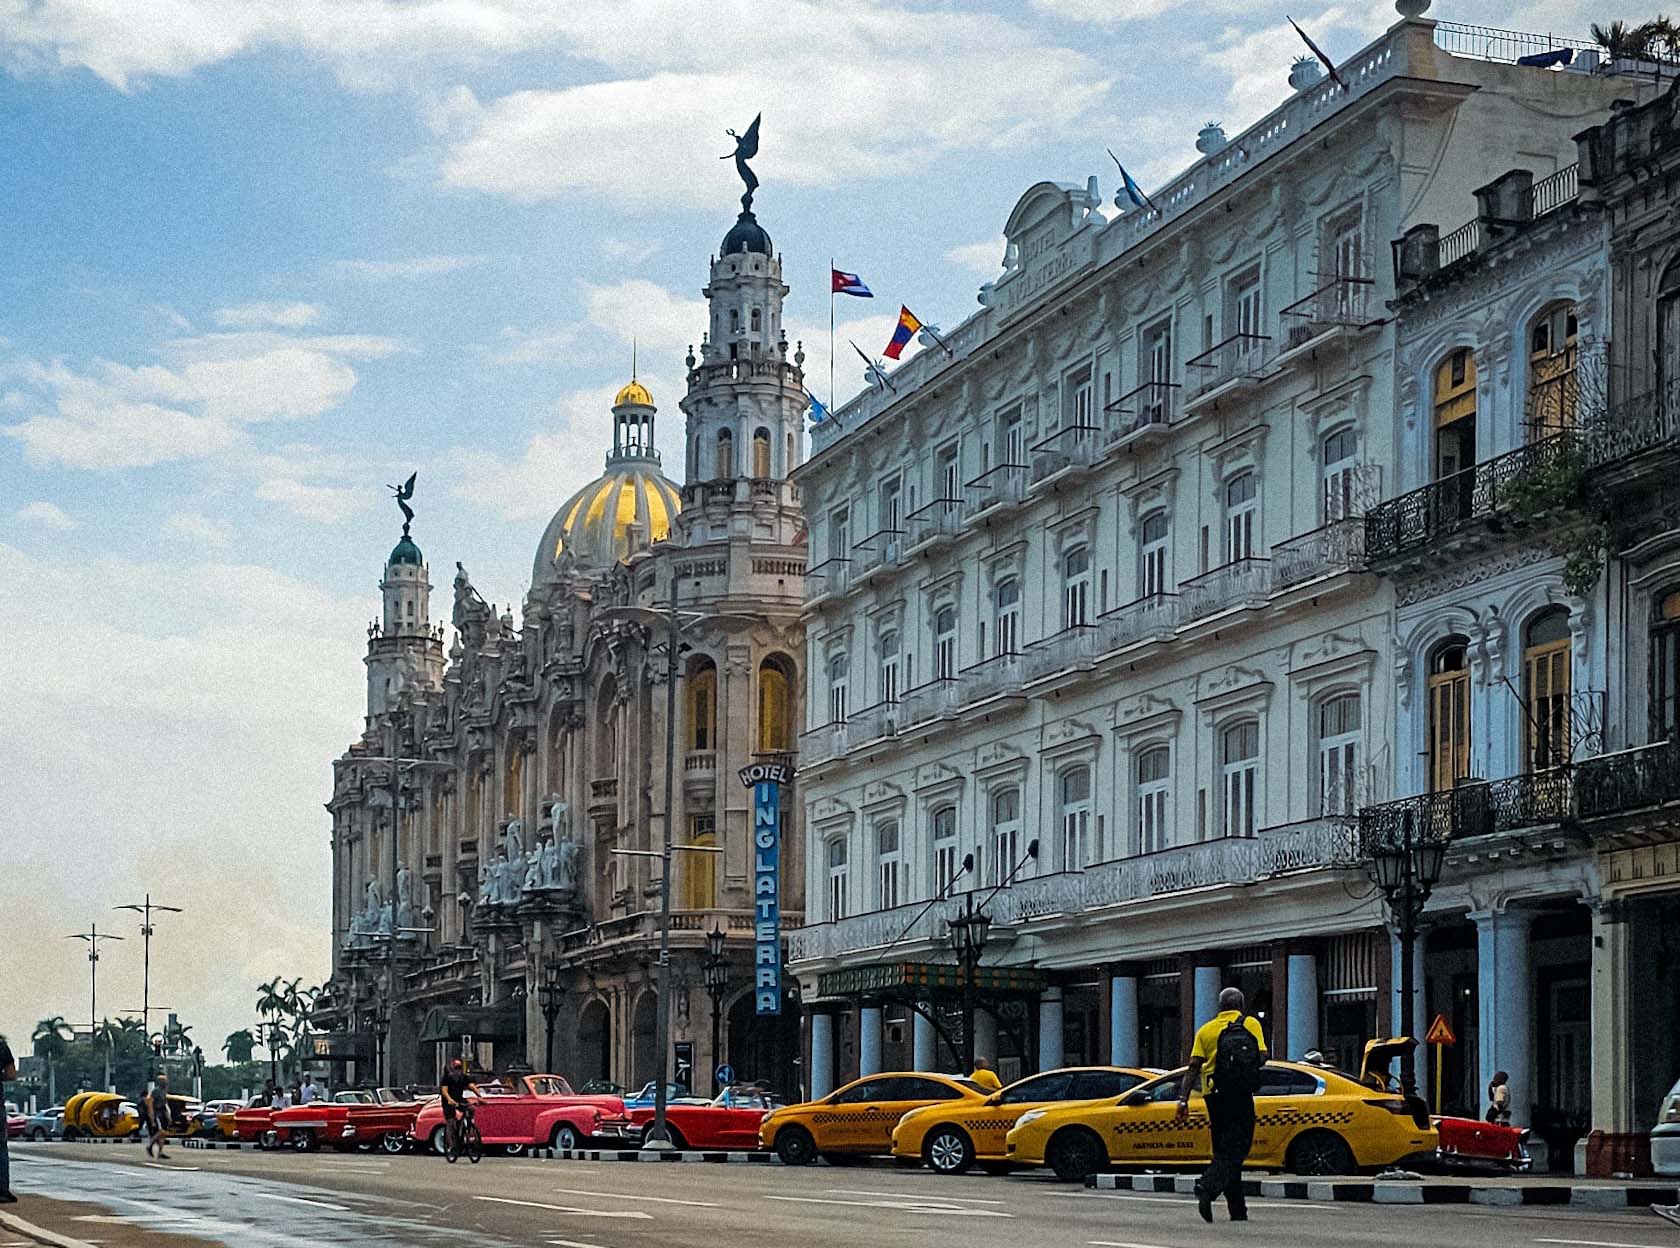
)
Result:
{"points": [[746, 147], [403, 493]]}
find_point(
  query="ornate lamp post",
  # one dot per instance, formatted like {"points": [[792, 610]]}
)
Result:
{"points": [[716, 970], [379, 1021], [548, 999], [970, 930], [1407, 867]]}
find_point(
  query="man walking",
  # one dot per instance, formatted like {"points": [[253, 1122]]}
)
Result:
{"points": [[1227, 1056], [306, 1089], [8, 1071], [157, 1115]]}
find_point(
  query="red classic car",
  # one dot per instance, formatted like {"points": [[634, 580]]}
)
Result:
{"points": [[254, 1124], [526, 1111], [348, 1120], [729, 1121], [1471, 1143]]}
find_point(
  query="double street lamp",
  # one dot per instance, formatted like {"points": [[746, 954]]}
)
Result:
{"points": [[970, 930], [548, 999], [716, 970], [1407, 867]]}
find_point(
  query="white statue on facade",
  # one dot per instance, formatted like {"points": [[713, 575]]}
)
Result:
{"points": [[372, 908], [550, 862], [386, 920], [566, 865], [486, 885], [405, 898], [513, 839]]}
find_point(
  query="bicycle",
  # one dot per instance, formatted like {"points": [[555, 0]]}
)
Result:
{"points": [[464, 1139]]}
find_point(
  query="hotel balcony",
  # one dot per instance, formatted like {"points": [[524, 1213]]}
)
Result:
{"points": [[1240, 583], [931, 525], [1140, 417], [603, 795], [998, 676], [937, 699], [818, 745], [872, 723], [995, 489], [1226, 369], [1071, 650], [879, 551], [1154, 618], [1064, 454], [825, 580], [699, 771], [1337, 310], [1335, 548], [1618, 440]]}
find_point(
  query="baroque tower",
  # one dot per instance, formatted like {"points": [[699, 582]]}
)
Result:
{"points": [[404, 650]]}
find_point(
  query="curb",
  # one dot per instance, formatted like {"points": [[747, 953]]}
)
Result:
{"points": [[40, 1234], [104, 1139], [198, 1143], [718, 1157], [1403, 1193]]}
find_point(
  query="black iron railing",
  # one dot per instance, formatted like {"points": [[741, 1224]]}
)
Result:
{"points": [[1628, 780], [1633, 426]]}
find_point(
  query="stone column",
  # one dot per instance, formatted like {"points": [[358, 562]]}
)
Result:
{"points": [[985, 1035], [1125, 1038], [1303, 1005], [1505, 992], [869, 1040], [1050, 1029], [822, 1054], [924, 1043], [1208, 983], [1612, 1057]]}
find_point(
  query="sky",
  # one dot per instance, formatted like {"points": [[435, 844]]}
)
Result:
{"points": [[260, 257]]}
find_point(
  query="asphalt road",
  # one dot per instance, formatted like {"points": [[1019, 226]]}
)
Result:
{"points": [[242, 1198]]}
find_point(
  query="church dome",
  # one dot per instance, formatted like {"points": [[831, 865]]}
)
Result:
{"points": [[629, 507], [745, 235], [634, 392], [405, 551]]}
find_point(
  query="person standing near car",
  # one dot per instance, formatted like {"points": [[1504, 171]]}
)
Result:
{"points": [[984, 1075], [157, 1115], [306, 1090], [1227, 1056], [8, 1071]]}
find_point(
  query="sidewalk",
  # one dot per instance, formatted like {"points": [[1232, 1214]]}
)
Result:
{"points": [[62, 1224], [1601, 1194]]}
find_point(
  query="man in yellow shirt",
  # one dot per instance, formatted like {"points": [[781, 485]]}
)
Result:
{"points": [[984, 1075], [1226, 1057]]}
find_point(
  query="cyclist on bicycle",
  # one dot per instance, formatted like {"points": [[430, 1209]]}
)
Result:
{"points": [[452, 1093]]}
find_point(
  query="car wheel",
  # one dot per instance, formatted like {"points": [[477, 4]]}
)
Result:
{"points": [[304, 1141], [566, 1138], [439, 1145], [677, 1140], [795, 1147], [38, 1135], [514, 1150], [393, 1142], [269, 1139], [1075, 1154], [1320, 1153], [948, 1150]]}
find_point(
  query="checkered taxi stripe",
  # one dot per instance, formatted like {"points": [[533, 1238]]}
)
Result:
{"points": [[1199, 1122]]}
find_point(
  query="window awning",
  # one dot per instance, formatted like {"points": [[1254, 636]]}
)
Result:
{"points": [[922, 978], [481, 1022]]}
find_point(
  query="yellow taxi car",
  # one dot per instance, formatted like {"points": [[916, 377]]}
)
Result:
{"points": [[858, 1119], [1308, 1120], [952, 1136]]}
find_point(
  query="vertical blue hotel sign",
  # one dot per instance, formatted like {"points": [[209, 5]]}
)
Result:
{"points": [[766, 781]]}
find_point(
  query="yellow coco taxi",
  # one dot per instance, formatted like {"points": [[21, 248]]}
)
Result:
{"points": [[858, 1119], [954, 1135], [1308, 1119]]}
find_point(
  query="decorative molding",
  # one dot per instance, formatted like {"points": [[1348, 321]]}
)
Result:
{"points": [[1325, 647], [996, 755], [881, 793], [1460, 574], [1227, 680], [930, 774], [1061, 731], [827, 809]]}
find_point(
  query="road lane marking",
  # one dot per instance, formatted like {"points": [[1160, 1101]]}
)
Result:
{"points": [[1185, 1199], [655, 1200], [1598, 1243], [572, 1243], [300, 1200], [1120, 1243], [955, 1200], [158, 1165], [588, 1213], [908, 1205]]}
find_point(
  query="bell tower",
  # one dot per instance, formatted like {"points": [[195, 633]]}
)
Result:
{"points": [[405, 651]]}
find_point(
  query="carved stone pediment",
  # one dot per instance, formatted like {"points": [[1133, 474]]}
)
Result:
{"points": [[1325, 647], [1061, 731], [1136, 709], [826, 808], [996, 754], [877, 792], [930, 774], [1226, 680]]}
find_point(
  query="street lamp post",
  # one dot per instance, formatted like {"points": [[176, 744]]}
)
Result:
{"points": [[970, 930], [272, 1030], [198, 1071], [380, 1022], [717, 983], [93, 936], [548, 998], [1407, 870], [146, 930]]}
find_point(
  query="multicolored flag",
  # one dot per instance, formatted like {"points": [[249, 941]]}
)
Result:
{"points": [[907, 327], [850, 284]]}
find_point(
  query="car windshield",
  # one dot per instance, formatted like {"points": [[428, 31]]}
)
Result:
{"points": [[392, 1096], [549, 1085]]}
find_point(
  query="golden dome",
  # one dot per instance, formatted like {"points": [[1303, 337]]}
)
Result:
{"points": [[634, 392], [627, 509]]}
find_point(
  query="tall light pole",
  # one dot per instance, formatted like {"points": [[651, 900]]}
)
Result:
{"points": [[969, 932], [93, 936], [548, 997], [145, 911], [717, 983], [1407, 868]]}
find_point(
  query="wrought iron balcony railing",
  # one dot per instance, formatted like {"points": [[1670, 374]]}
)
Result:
{"points": [[1336, 547], [1073, 446], [1549, 194], [1153, 618], [1239, 357], [1070, 650], [1633, 426], [996, 487], [878, 550], [1628, 780], [1344, 302], [1140, 415], [940, 518], [1240, 583], [997, 675]]}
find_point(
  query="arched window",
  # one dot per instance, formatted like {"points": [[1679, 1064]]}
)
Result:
{"points": [[889, 864], [1668, 330], [775, 708], [1449, 714], [945, 858], [1073, 793], [1455, 414], [1239, 765], [839, 891], [725, 454], [838, 672], [1665, 666], [1553, 391], [1339, 743], [1152, 555], [1076, 587], [606, 729], [1242, 506], [761, 452], [889, 666], [1546, 688], [945, 643], [757, 321], [790, 461], [1006, 616], [1338, 471], [699, 866], [1154, 781], [1006, 833], [702, 705]]}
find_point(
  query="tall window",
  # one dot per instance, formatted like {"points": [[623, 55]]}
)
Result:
{"points": [[1552, 384], [949, 473], [888, 863], [840, 534], [1006, 616], [699, 867], [1152, 555], [775, 708], [1157, 363], [1668, 329], [889, 666], [839, 671], [1247, 314], [945, 858], [839, 898], [702, 706], [1449, 714], [1154, 780], [1665, 666], [1006, 833], [1455, 414], [1339, 456], [1012, 442], [1239, 762], [1079, 412], [1546, 688], [1242, 504], [1076, 587], [725, 453], [756, 321], [892, 513], [1338, 754], [761, 451], [1074, 802], [945, 643]]}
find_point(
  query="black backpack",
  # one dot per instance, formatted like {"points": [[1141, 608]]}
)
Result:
{"points": [[1237, 1058]]}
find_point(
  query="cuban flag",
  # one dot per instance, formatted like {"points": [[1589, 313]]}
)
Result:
{"points": [[907, 327], [850, 284]]}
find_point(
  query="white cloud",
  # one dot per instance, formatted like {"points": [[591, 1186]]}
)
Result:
{"points": [[646, 312], [328, 503], [312, 482], [44, 513], [532, 346], [629, 250], [283, 315], [412, 266], [984, 258], [1114, 12], [1257, 61], [195, 526]]}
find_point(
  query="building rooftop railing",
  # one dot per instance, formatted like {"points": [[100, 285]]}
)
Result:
{"points": [[1490, 43]]}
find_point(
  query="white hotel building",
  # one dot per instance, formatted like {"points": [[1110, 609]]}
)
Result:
{"points": [[1095, 580]]}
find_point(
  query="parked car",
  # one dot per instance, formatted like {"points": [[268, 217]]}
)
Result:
{"points": [[254, 1123], [730, 1120], [523, 1111], [215, 1119], [47, 1124], [16, 1124], [1665, 1136], [601, 1087], [354, 1119], [952, 1136], [858, 1119], [675, 1094], [104, 1115], [1462, 1143]]}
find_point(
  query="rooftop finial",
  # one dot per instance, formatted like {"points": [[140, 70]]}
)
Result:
{"points": [[746, 147], [403, 493], [632, 357]]}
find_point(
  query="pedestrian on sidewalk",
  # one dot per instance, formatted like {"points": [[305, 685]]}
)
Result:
{"points": [[8, 1071], [1226, 1057], [1499, 1099], [984, 1075], [306, 1090], [157, 1115]]}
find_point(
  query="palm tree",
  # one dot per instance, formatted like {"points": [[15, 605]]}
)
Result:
{"points": [[238, 1045], [52, 1037], [1653, 40]]}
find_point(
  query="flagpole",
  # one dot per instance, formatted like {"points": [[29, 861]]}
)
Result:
{"points": [[831, 333]]}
